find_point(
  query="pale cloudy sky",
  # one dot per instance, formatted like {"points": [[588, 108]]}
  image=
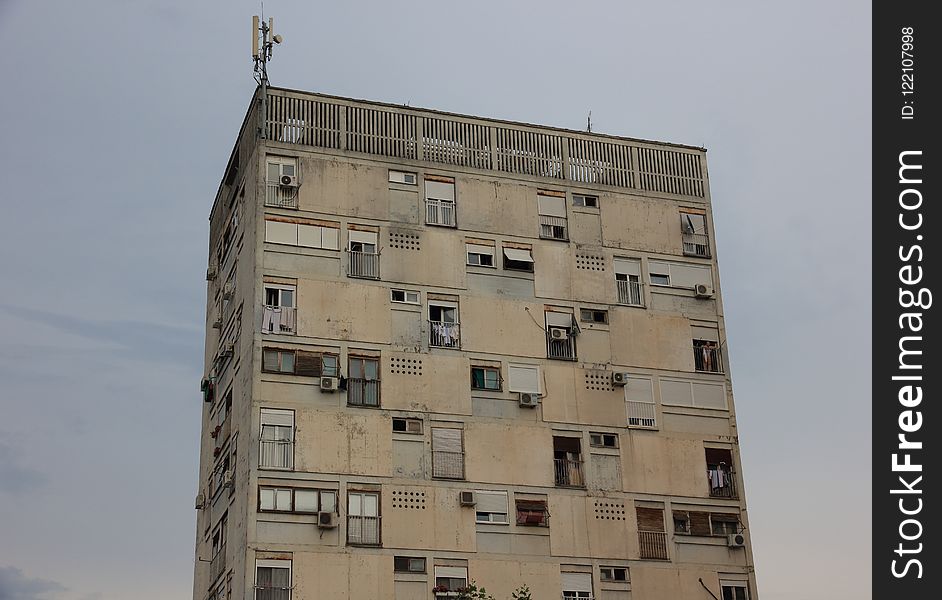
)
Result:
{"points": [[116, 120]]}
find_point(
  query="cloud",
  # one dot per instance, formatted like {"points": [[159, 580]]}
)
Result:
{"points": [[15, 479], [14, 585]]}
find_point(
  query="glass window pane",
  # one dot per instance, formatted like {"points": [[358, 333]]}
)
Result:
{"points": [[356, 368], [287, 169], [282, 499], [370, 505], [353, 505], [492, 379], [371, 368], [271, 297], [287, 297], [329, 501], [274, 172], [305, 500], [287, 362], [270, 360], [477, 378], [267, 497], [330, 365]]}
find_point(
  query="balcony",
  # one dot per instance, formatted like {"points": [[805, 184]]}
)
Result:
{"points": [[447, 464], [722, 480], [363, 265], [707, 357], [272, 592], [439, 212], [554, 228], [276, 454], [630, 293], [696, 244], [653, 545], [444, 335], [279, 196], [363, 531], [560, 349], [279, 320], [641, 414], [218, 565], [362, 392], [568, 473]]}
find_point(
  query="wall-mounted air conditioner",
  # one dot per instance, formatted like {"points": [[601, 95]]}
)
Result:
{"points": [[289, 181], [736, 540], [702, 290], [620, 378], [559, 333], [329, 384], [326, 519], [466, 498], [529, 399]]}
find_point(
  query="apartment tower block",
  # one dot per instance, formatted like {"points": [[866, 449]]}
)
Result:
{"points": [[443, 349]]}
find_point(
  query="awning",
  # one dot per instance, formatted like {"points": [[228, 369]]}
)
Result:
{"points": [[518, 255]]}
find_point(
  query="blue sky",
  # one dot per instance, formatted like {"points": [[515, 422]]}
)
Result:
{"points": [[117, 119]]}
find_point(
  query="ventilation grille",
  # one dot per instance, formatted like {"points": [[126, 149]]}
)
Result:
{"points": [[404, 241], [590, 262], [610, 511], [408, 500], [405, 366], [598, 380]]}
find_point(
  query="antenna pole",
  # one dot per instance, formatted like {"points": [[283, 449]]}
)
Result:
{"points": [[262, 43]]}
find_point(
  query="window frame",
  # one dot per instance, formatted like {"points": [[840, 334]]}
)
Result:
{"points": [[522, 515], [585, 197], [293, 501], [485, 370], [603, 435], [519, 266], [274, 564], [406, 421], [726, 521], [469, 252], [593, 311], [405, 174], [405, 296], [612, 578], [409, 560], [490, 520]]}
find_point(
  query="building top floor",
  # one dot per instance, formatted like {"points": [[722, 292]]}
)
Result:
{"points": [[344, 125]]}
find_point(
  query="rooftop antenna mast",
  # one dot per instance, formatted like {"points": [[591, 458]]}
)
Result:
{"points": [[588, 124], [263, 40]]}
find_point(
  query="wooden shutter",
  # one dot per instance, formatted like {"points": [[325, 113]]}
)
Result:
{"points": [[650, 519], [491, 502], [700, 523], [446, 440], [307, 364], [576, 582]]}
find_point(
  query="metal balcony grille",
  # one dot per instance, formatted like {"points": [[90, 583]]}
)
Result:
{"points": [[554, 228], [568, 472], [279, 319], [707, 357], [444, 335], [641, 414], [653, 545], [362, 392], [560, 349], [630, 292], [279, 196], [363, 531], [447, 464], [364, 265], [276, 454], [439, 212], [696, 244], [722, 482]]}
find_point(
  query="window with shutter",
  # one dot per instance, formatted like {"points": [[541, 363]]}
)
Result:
{"points": [[700, 523], [532, 513], [307, 364], [447, 453], [491, 507]]}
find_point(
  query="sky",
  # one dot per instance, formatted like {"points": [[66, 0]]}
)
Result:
{"points": [[117, 119]]}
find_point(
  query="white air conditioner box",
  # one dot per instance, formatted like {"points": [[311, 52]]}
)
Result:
{"points": [[289, 181], [559, 333], [329, 384], [736, 540], [529, 400], [620, 378], [702, 290]]}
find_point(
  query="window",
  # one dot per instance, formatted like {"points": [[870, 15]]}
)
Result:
{"points": [[439, 201], [402, 177], [443, 325], [276, 439], [532, 513], [613, 573], [552, 209], [307, 235], [628, 281], [524, 379], [567, 461], [735, 590], [695, 239], [724, 524], [361, 250], [720, 474], [639, 396], [681, 522], [585, 201], [447, 453], [220, 535], [363, 384], [485, 378], [330, 365], [652, 538], [479, 255], [490, 507], [273, 580], [518, 259], [293, 362], [561, 333], [363, 518], [576, 585], [404, 296], [706, 356], [679, 275], [408, 564], [407, 426], [450, 579], [603, 440], [281, 182], [299, 500], [659, 273], [279, 315], [592, 315]]}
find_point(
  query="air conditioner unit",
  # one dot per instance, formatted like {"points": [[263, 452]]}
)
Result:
{"points": [[326, 519], [529, 400], [559, 333], [289, 181], [211, 273], [620, 378], [466, 498], [329, 384], [200, 501], [227, 478], [702, 290], [736, 540], [228, 290]]}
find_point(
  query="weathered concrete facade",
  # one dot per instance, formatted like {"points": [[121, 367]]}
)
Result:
{"points": [[407, 305]]}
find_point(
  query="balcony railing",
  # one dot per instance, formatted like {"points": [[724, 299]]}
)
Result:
{"points": [[641, 414], [722, 482], [272, 592], [653, 545], [696, 244], [560, 349], [364, 265], [707, 358], [276, 454], [444, 335], [281, 196], [362, 392], [630, 292], [554, 228], [363, 531], [438, 212], [218, 565], [568, 472], [447, 464], [280, 319]]}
